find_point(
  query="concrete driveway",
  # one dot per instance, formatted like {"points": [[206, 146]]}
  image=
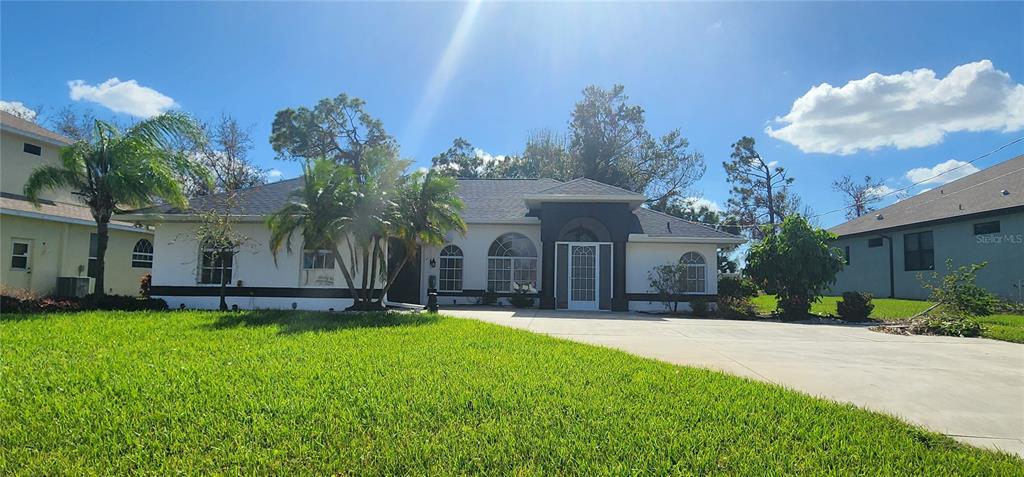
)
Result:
{"points": [[968, 388]]}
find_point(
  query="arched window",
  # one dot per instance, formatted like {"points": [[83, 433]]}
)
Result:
{"points": [[451, 269], [142, 254], [696, 271], [511, 262]]}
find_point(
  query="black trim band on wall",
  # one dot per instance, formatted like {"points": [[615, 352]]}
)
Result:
{"points": [[480, 293], [657, 297], [258, 292]]}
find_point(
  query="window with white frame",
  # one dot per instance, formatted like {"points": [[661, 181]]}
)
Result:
{"points": [[696, 272], [450, 271], [511, 260], [142, 254], [213, 264], [317, 260]]}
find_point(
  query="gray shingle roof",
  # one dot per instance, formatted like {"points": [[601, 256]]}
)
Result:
{"points": [[584, 186], [498, 200], [8, 120], [260, 200], [486, 200], [977, 193], [660, 224]]}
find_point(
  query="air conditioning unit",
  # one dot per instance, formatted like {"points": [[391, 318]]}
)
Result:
{"points": [[72, 287]]}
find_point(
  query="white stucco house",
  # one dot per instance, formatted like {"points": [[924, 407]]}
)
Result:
{"points": [[978, 218], [580, 244]]}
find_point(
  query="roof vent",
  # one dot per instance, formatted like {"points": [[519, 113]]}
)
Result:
{"points": [[961, 206], [941, 191], [1004, 192], [669, 225], [879, 217]]}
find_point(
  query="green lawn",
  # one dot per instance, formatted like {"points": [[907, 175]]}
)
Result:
{"points": [[885, 308], [998, 327], [307, 393]]}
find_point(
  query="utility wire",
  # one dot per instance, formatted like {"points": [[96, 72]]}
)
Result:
{"points": [[892, 192]]}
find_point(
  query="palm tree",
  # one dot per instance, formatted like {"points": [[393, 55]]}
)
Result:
{"points": [[321, 211], [120, 169], [428, 208]]}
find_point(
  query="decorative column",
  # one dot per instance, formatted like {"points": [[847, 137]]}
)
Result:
{"points": [[619, 302], [547, 278]]}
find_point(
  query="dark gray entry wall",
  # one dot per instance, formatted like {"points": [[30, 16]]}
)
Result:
{"points": [[618, 221]]}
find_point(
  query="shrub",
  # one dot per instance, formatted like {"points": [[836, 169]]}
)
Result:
{"points": [[855, 306], [957, 293], [24, 301], [699, 307], [797, 264], [946, 324], [736, 287], [734, 294], [123, 303], [145, 284], [521, 298], [489, 297]]}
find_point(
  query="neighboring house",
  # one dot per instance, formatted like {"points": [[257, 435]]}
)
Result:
{"points": [[56, 238], [979, 218], [576, 245]]}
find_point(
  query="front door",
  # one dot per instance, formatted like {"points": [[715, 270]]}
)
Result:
{"points": [[583, 277], [19, 274]]}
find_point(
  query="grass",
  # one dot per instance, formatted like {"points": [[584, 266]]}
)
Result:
{"points": [[1003, 327], [309, 393], [885, 308]]}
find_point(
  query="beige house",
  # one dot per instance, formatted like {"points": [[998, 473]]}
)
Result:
{"points": [[56, 238]]}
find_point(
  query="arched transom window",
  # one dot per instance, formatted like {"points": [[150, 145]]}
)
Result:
{"points": [[142, 254], [450, 272], [696, 272], [511, 262]]}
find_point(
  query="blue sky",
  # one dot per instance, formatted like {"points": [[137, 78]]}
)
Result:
{"points": [[494, 72]]}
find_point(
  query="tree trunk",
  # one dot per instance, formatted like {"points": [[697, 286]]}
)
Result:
{"points": [[223, 306], [365, 298], [348, 277], [373, 268], [392, 275], [102, 238]]}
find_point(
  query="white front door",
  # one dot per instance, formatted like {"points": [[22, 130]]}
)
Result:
{"points": [[583, 277], [20, 272]]}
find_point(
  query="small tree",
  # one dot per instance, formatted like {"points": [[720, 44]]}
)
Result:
{"points": [[860, 197], [957, 293], [797, 264], [670, 282], [217, 232]]}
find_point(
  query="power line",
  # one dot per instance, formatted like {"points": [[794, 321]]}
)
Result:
{"points": [[895, 191]]}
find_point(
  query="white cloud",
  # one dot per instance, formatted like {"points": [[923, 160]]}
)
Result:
{"points": [[926, 175], [487, 157], [122, 97], [881, 191], [18, 109], [907, 110], [274, 174], [699, 202], [716, 26]]}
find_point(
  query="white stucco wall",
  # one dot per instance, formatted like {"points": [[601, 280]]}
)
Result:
{"points": [[176, 262], [643, 257], [474, 247], [868, 270]]}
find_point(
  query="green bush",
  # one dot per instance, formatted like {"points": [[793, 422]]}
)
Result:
{"points": [[946, 325], [855, 306], [957, 292], [522, 298], [796, 264], [699, 307], [736, 287], [122, 303], [489, 297]]}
